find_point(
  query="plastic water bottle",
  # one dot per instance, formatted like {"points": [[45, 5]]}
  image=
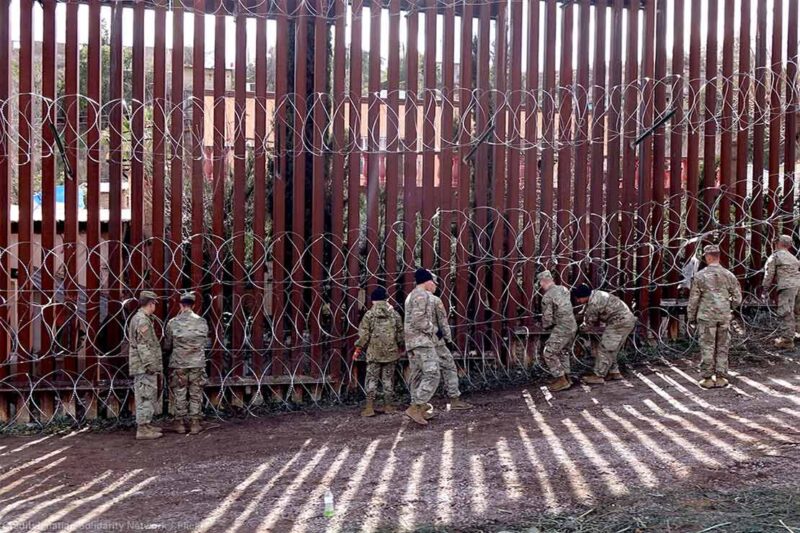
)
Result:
{"points": [[328, 504]]}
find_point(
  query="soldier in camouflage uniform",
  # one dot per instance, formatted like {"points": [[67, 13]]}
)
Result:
{"points": [[186, 335], [145, 365], [715, 291], [558, 317], [420, 340], [783, 269], [619, 322], [447, 365], [381, 335]]}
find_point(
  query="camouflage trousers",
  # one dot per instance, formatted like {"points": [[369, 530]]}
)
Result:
{"points": [[145, 394], [612, 341], [447, 366], [186, 386], [714, 337], [383, 373], [425, 374], [557, 351], [789, 312]]}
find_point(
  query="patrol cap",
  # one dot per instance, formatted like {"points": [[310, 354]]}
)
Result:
{"points": [[187, 298], [544, 274], [422, 275], [378, 295], [711, 249], [145, 297], [582, 291], [785, 240]]}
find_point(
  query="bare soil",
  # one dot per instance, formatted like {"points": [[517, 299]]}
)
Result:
{"points": [[652, 453]]}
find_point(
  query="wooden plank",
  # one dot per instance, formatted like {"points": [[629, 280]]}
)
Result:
{"points": [[238, 347], [70, 137], [760, 112], [5, 194], [677, 130], [115, 163], [25, 283], [218, 183], [597, 174], [48, 163], [727, 179], [337, 188], [465, 113], [531, 156], [136, 271], [429, 135], [93, 91], [582, 171], [628, 152], [499, 178], [564, 232], [318, 191], [742, 141], [259, 189], [279, 268]]}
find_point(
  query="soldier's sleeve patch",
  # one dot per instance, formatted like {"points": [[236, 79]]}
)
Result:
{"points": [[142, 329]]}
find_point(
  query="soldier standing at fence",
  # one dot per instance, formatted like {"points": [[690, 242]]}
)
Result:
{"points": [[559, 318], [381, 335], [783, 269], [186, 335], [619, 322], [715, 291], [444, 350], [420, 339], [145, 365]]}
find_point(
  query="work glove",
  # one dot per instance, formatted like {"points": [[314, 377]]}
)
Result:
{"points": [[356, 354]]}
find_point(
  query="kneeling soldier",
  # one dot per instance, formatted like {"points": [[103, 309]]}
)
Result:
{"points": [[186, 335], [619, 322], [715, 290], [381, 335]]}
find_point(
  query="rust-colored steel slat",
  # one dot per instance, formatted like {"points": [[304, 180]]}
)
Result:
{"points": [[498, 180], [136, 274], [597, 171], [515, 136], [742, 142], [375, 105], [614, 169], [693, 142], [393, 145], [548, 133], [531, 174], [410, 138], [429, 134], [354, 165], [790, 130], [645, 163], [564, 235], [580, 243], [629, 156], [158, 268], [775, 116], [677, 130]]}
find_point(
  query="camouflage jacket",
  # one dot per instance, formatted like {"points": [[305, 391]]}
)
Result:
{"points": [[606, 308], [784, 269], [715, 291], [420, 320], [381, 333], [186, 335], [143, 348], [442, 323], [557, 310]]}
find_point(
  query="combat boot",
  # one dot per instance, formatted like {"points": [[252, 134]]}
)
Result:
{"points": [[179, 426], [368, 409], [147, 432], [415, 413], [195, 426], [784, 344], [592, 379], [707, 383], [614, 376], [562, 383], [457, 404], [721, 383]]}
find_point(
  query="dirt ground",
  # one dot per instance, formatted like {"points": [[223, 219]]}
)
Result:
{"points": [[653, 453]]}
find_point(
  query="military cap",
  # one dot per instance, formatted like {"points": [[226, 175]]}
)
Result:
{"points": [[786, 240], [581, 291], [187, 298], [378, 295], [422, 275], [544, 274], [145, 297], [711, 249]]}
